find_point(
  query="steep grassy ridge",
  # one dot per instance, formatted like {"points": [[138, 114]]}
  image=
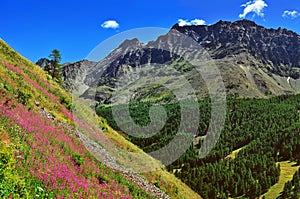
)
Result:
{"points": [[41, 156]]}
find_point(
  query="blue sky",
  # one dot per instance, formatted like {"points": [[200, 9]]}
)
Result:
{"points": [[75, 27]]}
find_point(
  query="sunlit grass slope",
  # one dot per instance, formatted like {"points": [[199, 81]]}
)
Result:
{"points": [[41, 159], [287, 170]]}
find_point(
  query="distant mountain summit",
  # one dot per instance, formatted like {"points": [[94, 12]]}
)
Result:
{"points": [[254, 61], [43, 62], [278, 48]]}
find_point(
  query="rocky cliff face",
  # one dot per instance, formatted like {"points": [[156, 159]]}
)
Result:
{"points": [[279, 48], [74, 75], [83, 75], [253, 61], [43, 62]]}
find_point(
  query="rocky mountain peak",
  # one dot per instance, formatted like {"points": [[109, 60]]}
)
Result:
{"points": [[130, 43], [245, 23], [43, 62], [279, 48]]}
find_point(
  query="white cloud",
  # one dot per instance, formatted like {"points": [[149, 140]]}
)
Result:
{"points": [[256, 6], [110, 24], [182, 22], [198, 22], [292, 14]]}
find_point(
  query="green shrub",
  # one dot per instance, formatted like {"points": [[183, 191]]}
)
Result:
{"points": [[24, 96], [10, 183], [7, 87], [48, 77], [78, 159]]}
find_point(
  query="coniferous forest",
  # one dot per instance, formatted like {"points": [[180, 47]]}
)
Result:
{"points": [[258, 133]]}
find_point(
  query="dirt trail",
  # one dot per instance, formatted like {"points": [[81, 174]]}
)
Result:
{"points": [[102, 155]]}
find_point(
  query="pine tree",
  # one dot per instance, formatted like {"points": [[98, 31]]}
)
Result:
{"points": [[54, 67]]}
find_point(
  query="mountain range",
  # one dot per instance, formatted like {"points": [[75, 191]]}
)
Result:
{"points": [[253, 61]]}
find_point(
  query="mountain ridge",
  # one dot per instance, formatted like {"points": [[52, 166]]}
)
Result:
{"points": [[259, 40], [254, 61]]}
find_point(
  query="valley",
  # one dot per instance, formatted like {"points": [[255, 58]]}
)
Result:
{"points": [[257, 134], [204, 111]]}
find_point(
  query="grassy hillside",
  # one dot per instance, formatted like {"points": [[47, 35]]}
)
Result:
{"points": [[41, 157], [287, 170]]}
